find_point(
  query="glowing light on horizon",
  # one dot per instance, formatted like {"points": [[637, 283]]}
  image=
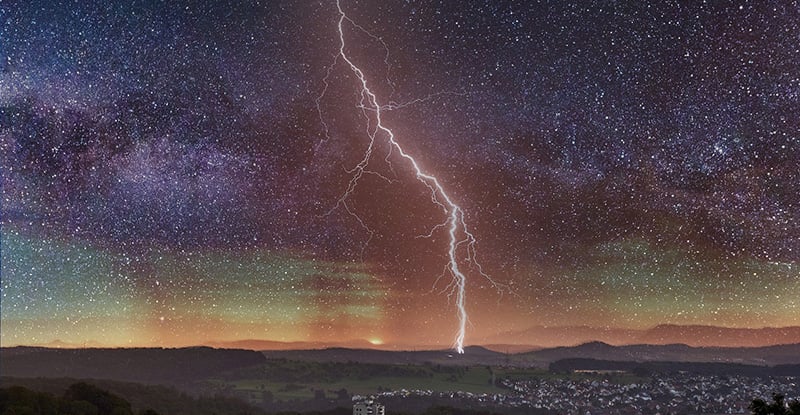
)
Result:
{"points": [[460, 238]]}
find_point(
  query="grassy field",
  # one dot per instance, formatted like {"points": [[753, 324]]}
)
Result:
{"points": [[523, 374], [474, 379], [366, 379]]}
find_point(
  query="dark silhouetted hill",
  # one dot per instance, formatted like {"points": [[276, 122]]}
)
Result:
{"points": [[161, 399], [769, 355], [138, 365], [79, 399], [473, 355]]}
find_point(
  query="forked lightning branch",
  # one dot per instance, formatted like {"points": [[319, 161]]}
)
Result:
{"points": [[461, 242]]}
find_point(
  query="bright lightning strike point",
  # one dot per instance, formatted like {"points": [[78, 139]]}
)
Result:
{"points": [[461, 240]]}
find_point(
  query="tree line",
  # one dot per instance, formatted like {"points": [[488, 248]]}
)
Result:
{"points": [[778, 406], [79, 399]]}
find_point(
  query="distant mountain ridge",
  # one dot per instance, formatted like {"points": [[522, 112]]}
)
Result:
{"points": [[538, 337], [698, 335], [691, 335], [256, 344]]}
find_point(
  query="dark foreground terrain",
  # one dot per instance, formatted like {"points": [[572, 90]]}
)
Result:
{"points": [[208, 381]]}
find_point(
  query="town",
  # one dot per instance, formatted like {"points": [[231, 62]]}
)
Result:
{"points": [[677, 393]]}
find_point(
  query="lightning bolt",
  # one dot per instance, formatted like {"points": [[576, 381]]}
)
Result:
{"points": [[461, 240]]}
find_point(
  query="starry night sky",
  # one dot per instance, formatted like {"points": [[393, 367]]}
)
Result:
{"points": [[168, 177]]}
